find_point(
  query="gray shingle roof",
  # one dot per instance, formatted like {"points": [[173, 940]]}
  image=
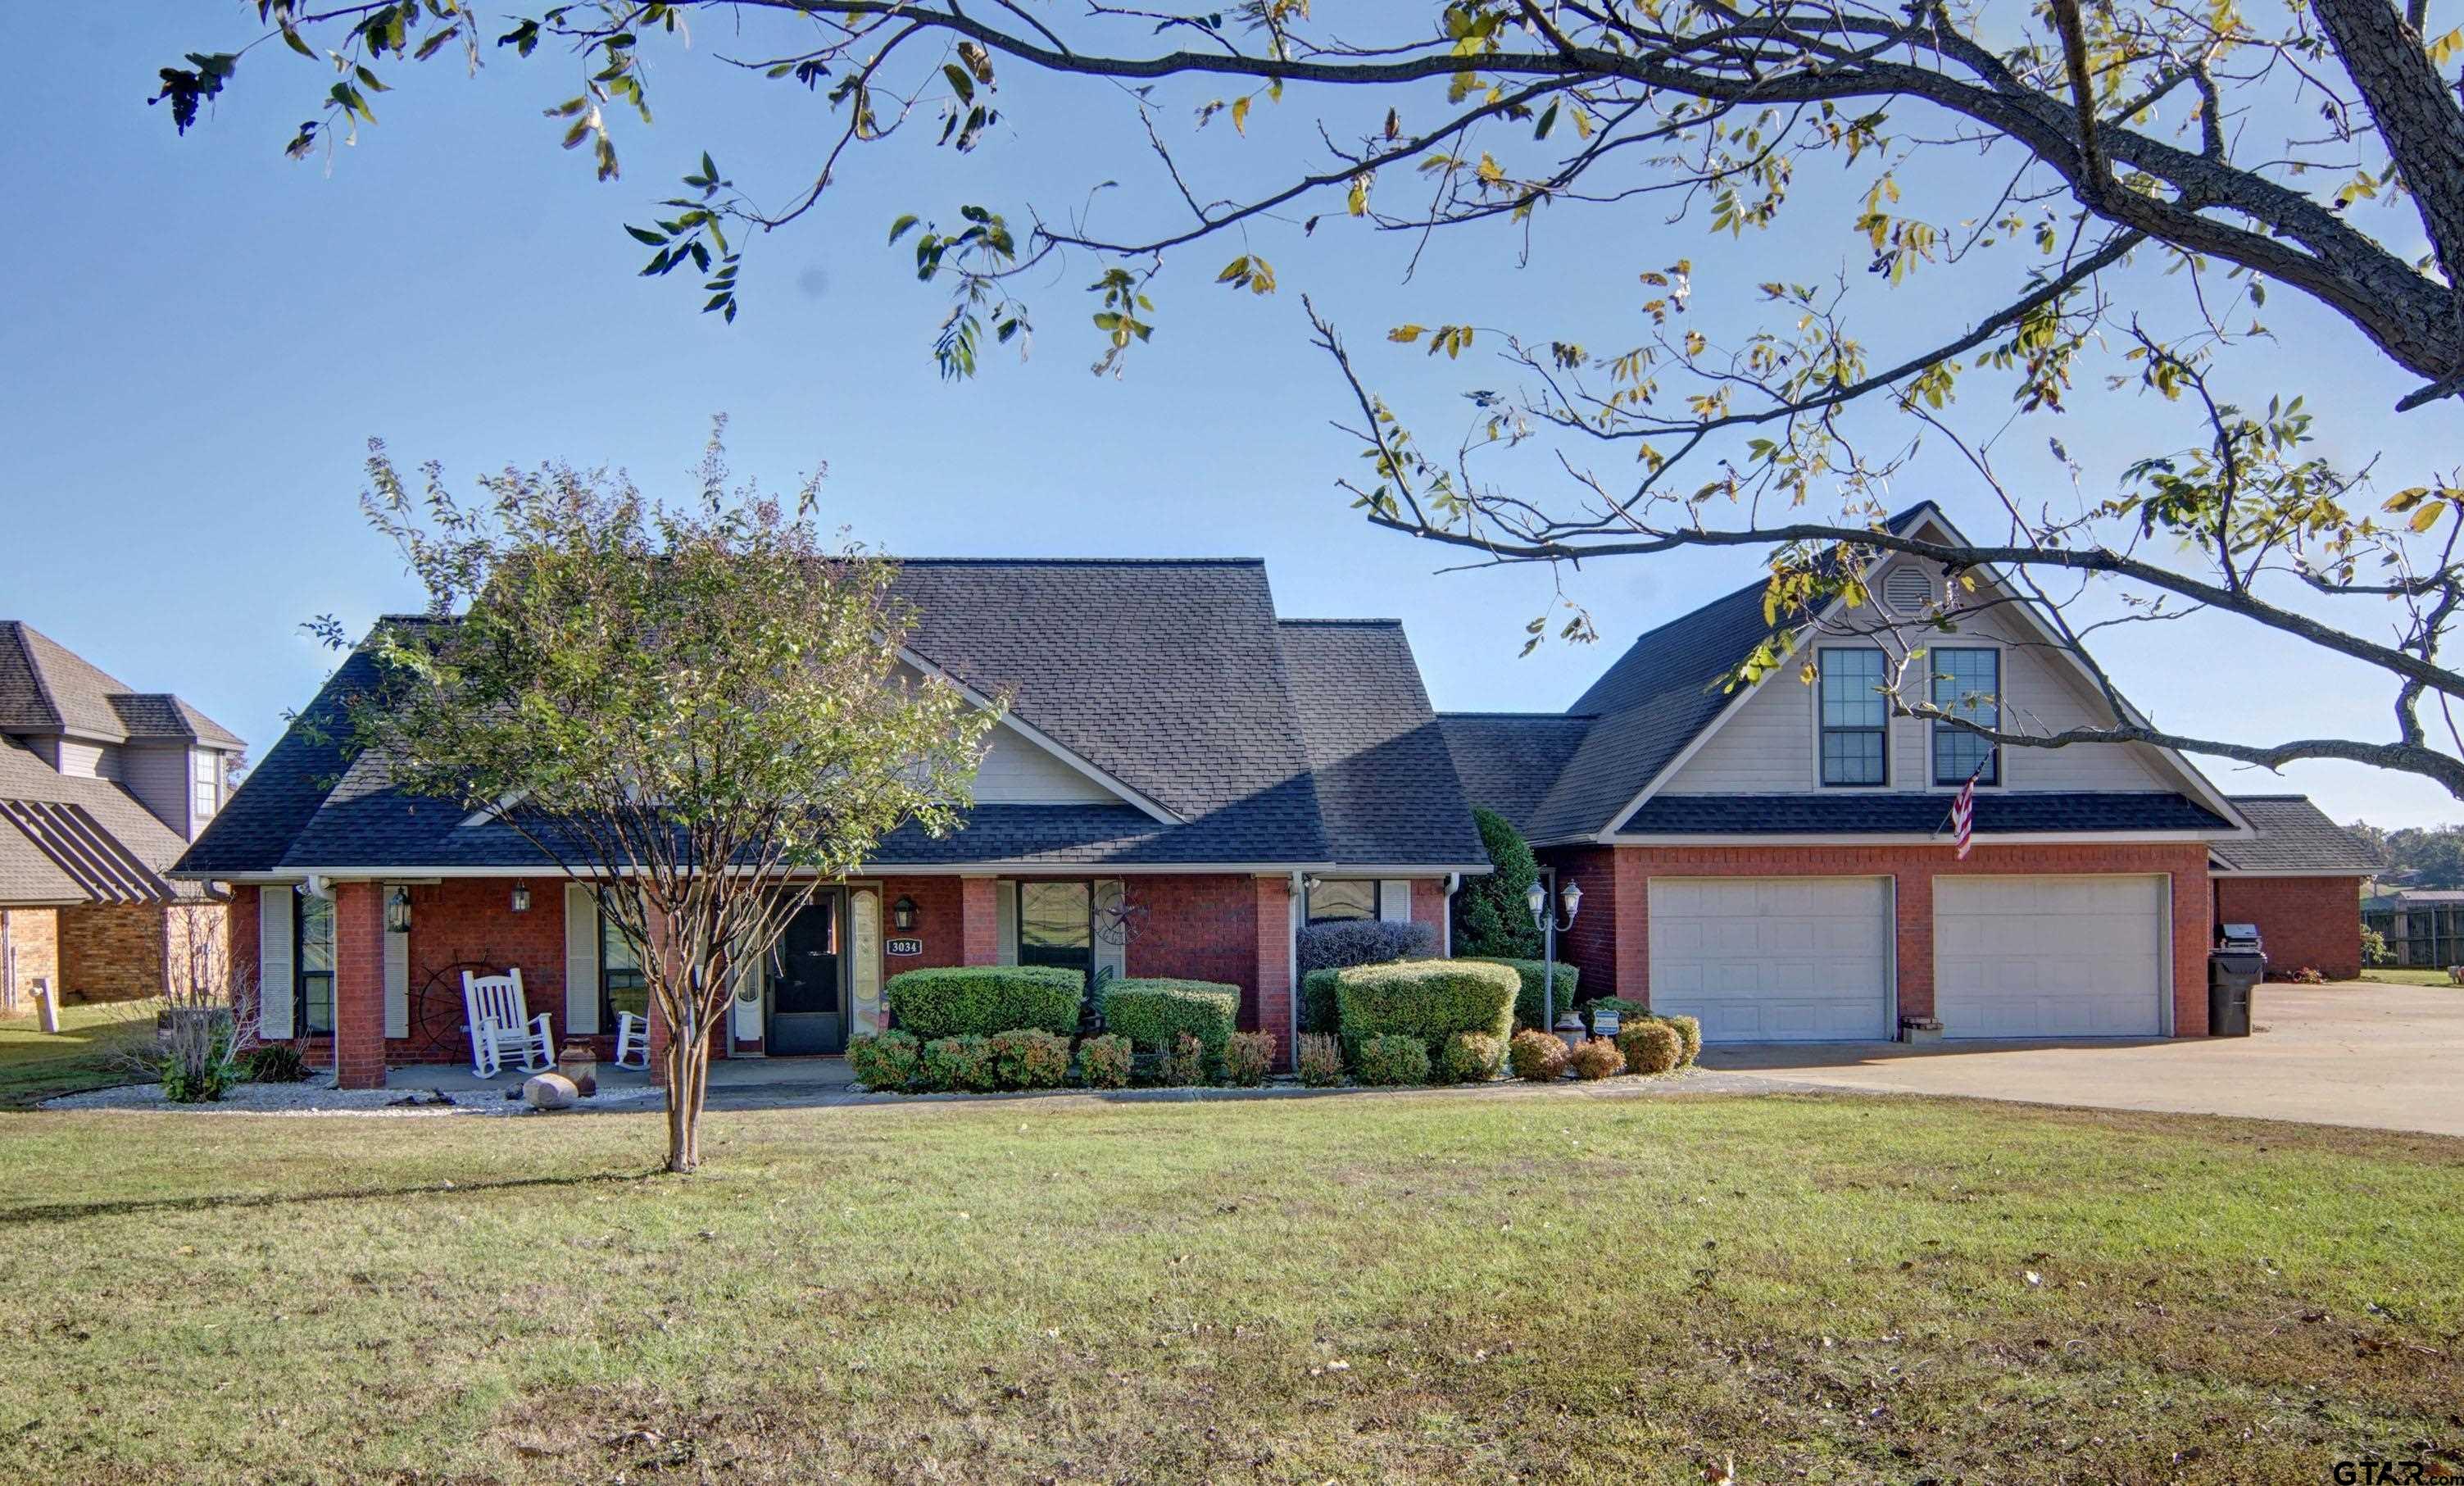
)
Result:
{"points": [[45, 687], [1171, 676], [2293, 836], [1386, 785], [1902, 811], [69, 838], [1508, 761]]}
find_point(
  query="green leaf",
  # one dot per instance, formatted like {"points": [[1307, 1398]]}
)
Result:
{"points": [[900, 227], [645, 235]]}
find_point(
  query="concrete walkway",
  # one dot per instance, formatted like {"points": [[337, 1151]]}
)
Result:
{"points": [[2386, 1058]]}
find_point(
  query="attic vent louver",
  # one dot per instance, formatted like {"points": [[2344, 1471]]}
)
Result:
{"points": [[1907, 589]]}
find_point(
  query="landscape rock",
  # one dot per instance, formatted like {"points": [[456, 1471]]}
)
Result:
{"points": [[550, 1091]]}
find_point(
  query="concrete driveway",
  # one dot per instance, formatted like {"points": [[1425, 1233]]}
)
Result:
{"points": [[2389, 1058]]}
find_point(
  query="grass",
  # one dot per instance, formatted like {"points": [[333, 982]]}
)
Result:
{"points": [[87, 1052], [1563, 1287], [2394, 977]]}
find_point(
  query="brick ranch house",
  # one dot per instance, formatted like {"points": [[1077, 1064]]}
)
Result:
{"points": [[1779, 861], [102, 788], [1182, 779]]}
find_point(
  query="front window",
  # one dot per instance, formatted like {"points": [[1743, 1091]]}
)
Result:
{"points": [[1056, 925], [1332, 901], [1854, 715], [622, 986], [314, 957], [1967, 683], [206, 775]]}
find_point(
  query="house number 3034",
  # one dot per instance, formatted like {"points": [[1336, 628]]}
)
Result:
{"points": [[905, 947]]}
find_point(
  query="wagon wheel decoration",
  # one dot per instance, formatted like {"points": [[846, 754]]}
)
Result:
{"points": [[437, 1019]]}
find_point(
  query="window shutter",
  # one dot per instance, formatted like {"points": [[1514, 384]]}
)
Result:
{"points": [[276, 984], [864, 941], [397, 973], [1110, 953], [580, 961], [1005, 921], [1394, 899]]}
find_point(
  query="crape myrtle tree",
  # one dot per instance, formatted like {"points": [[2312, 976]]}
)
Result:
{"points": [[699, 710], [2117, 188]]}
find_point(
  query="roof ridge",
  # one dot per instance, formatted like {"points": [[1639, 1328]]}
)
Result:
{"points": [[1548, 717], [1394, 624], [1076, 562], [34, 669]]}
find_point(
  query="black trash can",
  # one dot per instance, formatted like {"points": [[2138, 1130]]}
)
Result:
{"points": [[2232, 971]]}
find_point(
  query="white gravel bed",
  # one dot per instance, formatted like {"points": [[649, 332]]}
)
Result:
{"points": [[317, 1095]]}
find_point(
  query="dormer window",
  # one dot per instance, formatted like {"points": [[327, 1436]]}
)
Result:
{"points": [[1854, 717]]}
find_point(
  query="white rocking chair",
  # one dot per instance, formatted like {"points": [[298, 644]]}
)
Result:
{"points": [[632, 1040], [501, 1026]]}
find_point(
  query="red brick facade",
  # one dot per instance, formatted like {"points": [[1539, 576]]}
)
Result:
{"points": [[1200, 929], [979, 922], [2307, 922], [32, 940], [359, 986], [1274, 992], [1611, 938]]}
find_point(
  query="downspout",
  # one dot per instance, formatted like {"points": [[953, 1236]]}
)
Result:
{"points": [[1294, 909], [1454, 886]]}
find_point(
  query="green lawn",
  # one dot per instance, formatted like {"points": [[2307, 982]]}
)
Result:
{"points": [[87, 1052], [1499, 1286], [2395, 977]]}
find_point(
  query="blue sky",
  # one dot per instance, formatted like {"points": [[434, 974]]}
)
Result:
{"points": [[200, 336]]}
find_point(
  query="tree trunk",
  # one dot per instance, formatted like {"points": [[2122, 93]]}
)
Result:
{"points": [[688, 1076], [2418, 117]]}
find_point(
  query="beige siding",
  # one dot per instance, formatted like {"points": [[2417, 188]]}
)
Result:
{"points": [[158, 775], [1765, 747], [1017, 771]]}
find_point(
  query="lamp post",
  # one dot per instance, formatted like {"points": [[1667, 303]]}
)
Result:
{"points": [[1537, 898]]}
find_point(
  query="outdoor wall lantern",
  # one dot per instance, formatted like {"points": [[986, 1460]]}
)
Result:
{"points": [[398, 911], [902, 912], [522, 898]]}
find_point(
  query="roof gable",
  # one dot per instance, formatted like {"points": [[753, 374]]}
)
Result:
{"points": [[46, 687]]}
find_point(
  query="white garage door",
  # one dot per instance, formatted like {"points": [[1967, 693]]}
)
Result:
{"points": [[1773, 959], [2050, 957]]}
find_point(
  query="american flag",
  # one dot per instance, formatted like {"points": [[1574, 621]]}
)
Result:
{"points": [[1963, 816]]}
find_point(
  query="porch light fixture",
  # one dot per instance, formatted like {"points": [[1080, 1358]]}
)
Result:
{"points": [[522, 898], [902, 912], [398, 911], [1536, 898]]}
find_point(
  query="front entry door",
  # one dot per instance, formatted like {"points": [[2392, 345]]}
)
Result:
{"points": [[807, 1008]]}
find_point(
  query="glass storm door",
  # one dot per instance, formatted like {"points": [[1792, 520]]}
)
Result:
{"points": [[807, 1004]]}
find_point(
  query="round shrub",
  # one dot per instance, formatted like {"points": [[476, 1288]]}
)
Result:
{"points": [[1651, 1047], [1536, 1056], [1428, 999], [1470, 1057], [1321, 1060], [277, 1063], [1349, 942], [979, 1000], [1526, 995], [1152, 1013], [1598, 1059], [1104, 1062], [1689, 1032], [1030, 1058], [1391, 1059], [1247, 1057], [888, 1061], [1185, 1064], [958, 1065]]}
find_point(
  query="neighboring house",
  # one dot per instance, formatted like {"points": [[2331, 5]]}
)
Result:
{"points": [[101, 788], [1778, 860], [2424, 927], [2299, 880], [1180, 781]]}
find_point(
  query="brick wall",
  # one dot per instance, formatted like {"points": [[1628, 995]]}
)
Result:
{"points": [[1612, 936], [938, 907], [1429, 907], [1200, 928], [111, 951], [979, 922], [469, 924], [1274, 973], [359, 986], [2308, 923], [34, 939]]}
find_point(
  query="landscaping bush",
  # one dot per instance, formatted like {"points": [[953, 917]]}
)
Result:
{"points": [[1030, 1058], [279, 1063], [1526, 995], [1152, 1013], [1186, 1065], [1391, 1059], [958, 1065], [1317, 1003], [1247, 1057], [1536, 1056], [1321, 1060], [979, 1000], [1104, 1062], [1428, 999], [888, 1061], [1351, 942], [1651, 1047], [1689, 1032], [1490, 915], [1470, 1057], [1598, 1059]]}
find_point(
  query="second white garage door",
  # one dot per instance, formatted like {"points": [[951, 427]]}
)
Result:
{"points": [[2050, 957], [1774, 959]]}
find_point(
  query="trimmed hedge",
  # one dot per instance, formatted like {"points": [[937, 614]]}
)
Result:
{"points": [[886, 1062], [1349, 942], [1537, 1056], [1030, 1058], [1104, 1062], [1597, 1060], [1391, 1060], [1689, 1032], [1650, 1047], [958, 1065], [1526, 998], [1152, 1013], [979, 1000], [1469, 1057], [1428, 999]]}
